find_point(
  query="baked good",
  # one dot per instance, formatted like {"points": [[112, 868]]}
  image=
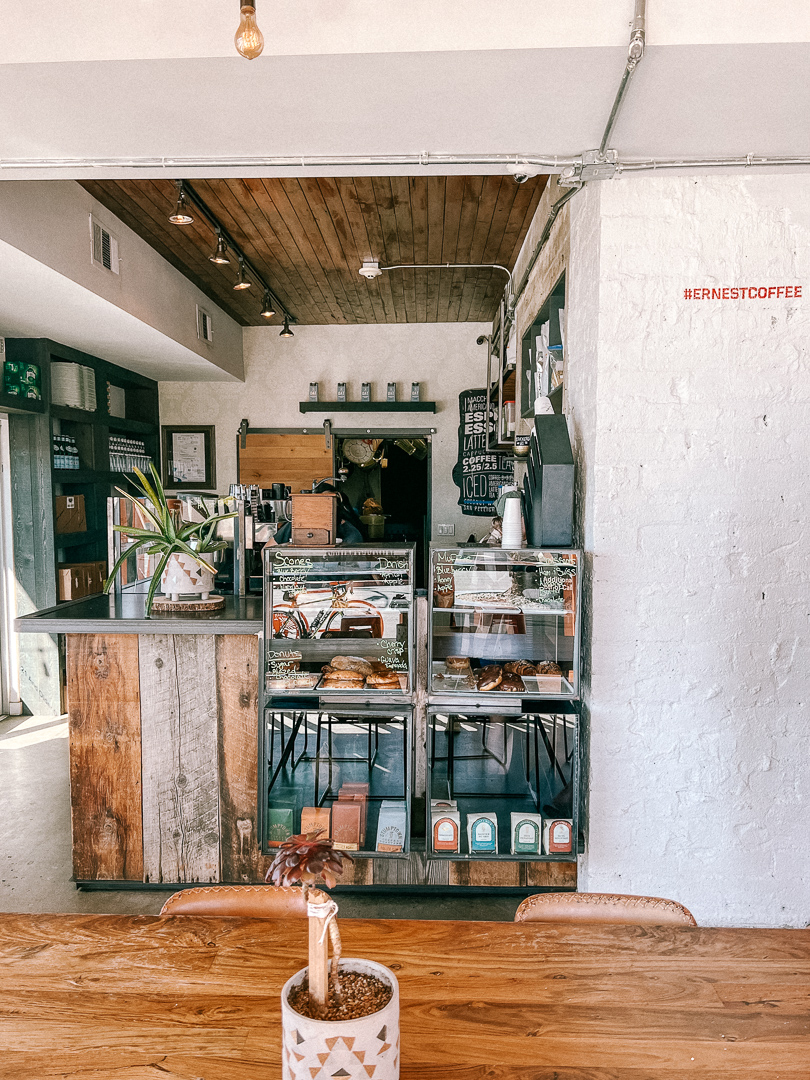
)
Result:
{"points": [[331, 683], [548, 667], [352, 663], [512, 683], [344, 676], [520, 667], [383, 682], [457, 663], [489, 678]]}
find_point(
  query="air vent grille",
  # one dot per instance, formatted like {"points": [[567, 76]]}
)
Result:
{"points": [[205, 328], [105, 247]]}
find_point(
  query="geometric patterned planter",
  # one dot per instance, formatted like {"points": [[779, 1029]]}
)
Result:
{"points": [[184, 576], [342, 1049]]}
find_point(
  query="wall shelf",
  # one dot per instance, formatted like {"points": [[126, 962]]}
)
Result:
{"points": [[14, 403], [367, 406]]}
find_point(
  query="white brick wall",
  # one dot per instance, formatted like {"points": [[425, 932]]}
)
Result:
{"points": [[692, 423]]}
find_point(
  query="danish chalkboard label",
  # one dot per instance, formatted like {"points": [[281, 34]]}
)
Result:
{"points": [[479, 473]]}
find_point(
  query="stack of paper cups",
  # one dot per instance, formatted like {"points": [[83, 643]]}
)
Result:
{"points": [[512, 523]]}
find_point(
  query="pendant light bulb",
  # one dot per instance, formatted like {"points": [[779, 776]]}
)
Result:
{"points": [[249, 40], [268, 311], [220, 255], [181, 216], [242, 282], [286, 332]]}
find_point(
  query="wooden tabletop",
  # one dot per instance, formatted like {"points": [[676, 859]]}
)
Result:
{"points": [[112, 997]]}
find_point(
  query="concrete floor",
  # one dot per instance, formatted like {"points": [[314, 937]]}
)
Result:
{"points": [[35, 844]]}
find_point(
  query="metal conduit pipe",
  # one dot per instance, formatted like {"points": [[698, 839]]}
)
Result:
{"points": [[638, 37]]}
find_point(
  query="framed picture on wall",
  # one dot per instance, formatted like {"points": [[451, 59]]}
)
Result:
{"points": [[189, 457]]}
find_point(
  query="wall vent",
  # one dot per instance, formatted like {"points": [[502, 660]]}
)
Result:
{"points": [[205, 328], [104, 247]]}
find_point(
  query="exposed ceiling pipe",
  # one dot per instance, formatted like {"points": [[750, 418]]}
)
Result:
{"points": [[638, 37]]}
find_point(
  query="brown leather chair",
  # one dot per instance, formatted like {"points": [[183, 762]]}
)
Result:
{"points": [[603, 908], [246, 901]]}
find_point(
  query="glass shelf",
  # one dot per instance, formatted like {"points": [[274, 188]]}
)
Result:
{"points": [[345, 608], [311, 758], [504, 623], [522, 771]]}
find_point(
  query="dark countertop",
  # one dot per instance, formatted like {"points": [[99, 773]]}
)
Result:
{"points": [[124, 614]]}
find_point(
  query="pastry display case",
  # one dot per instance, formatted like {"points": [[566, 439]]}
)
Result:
{"points": [[345, 770], [338, 622], [504, 622], [503, 786]]}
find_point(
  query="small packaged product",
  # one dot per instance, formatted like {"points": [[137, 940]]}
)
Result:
{"points": [[446, 825], [527, 831], [392, 825], [315, 818], [482, 834], [558, 836], [279, 824], [346, 825]]}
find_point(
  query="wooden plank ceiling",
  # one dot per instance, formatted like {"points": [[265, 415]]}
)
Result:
{"points": [[308, 238]]}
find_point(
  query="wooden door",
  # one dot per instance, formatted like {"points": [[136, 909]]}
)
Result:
{"points": [[290, 458]]}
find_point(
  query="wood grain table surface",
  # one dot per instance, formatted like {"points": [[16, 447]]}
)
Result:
{"points": [[86, 997]]}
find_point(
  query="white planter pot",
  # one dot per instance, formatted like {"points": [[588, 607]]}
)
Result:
{"points": [[368, 1047], [184, 576]]}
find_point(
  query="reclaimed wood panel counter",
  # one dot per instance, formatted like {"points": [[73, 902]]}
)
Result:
{"points": [[198, 999]]}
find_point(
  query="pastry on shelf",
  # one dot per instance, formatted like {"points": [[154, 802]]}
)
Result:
{"points": [[548, 667], [457, 665], [520, 667], [512, 683], [489, 678], [333, 682], [383, 682], [352, 663]]}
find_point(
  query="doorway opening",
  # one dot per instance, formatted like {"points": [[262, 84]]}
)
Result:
{"points": [[388, 485]]}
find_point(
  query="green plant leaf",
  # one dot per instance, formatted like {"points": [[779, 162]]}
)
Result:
{"points": [[195, 555], [153, 584]]}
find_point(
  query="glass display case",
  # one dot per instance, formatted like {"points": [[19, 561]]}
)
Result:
{"points": [[338, 622], [345, 770], [503, 786], [504, 622]]}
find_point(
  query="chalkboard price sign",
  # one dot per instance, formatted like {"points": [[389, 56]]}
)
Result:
{"points": [[479, 473]]}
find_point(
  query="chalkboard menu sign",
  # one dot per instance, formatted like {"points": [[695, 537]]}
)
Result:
{"points": [[479, 472]]}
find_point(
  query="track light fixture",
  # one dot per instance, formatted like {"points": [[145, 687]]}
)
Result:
{"points": [[242, 281], [220, 255], [268, 311], [249, 40], [286, 332], [181, 216]]}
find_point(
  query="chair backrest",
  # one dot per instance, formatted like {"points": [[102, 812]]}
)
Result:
{"points": [[247, 901], [603, 908]]}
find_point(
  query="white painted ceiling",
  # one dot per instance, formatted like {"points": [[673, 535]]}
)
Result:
{"points": [[152, 79]]}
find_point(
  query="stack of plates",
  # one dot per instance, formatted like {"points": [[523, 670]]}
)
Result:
{"points": [[73, 385]]}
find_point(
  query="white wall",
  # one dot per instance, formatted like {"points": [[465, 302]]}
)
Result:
{"points": [[696, 416], [444, 357], [144, 317]]}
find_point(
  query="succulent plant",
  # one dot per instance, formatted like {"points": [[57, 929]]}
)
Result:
{"points": [[307, 858]]}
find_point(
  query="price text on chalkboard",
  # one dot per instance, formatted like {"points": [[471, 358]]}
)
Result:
{"points": [[479, 472]]}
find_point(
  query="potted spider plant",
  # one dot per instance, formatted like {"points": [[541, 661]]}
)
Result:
{"points": [[181, 567], [349, 1021]]}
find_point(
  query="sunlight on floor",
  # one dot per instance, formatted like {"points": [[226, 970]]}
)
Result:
{"points": [[18, 733]]}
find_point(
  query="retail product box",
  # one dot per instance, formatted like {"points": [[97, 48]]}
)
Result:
{"points": [[346, 825], [75, 580], [357, 792], [527, 832], [558, 836], [482, 834], [315, 818], [279, 824], [70, 514], [446, 826], [392, 825]]}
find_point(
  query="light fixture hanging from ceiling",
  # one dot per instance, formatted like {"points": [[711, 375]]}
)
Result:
{"points": [[220, 255], [268, 311], [370, 269], [286, 332], [181, 216], [242, 282], [249, 40]]}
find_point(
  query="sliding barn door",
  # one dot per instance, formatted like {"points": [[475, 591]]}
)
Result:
{"points": [[289, 458]]}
